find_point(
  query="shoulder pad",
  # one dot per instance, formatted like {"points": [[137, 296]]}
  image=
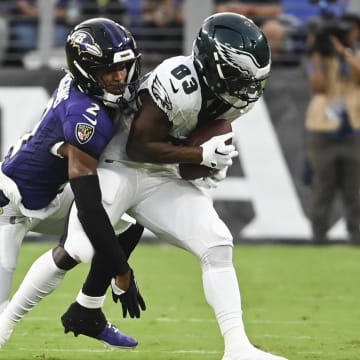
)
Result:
{"points": [[174, 86]]}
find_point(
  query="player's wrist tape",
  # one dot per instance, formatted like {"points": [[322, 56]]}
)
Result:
{"points": [[116, 289], [96, 223]]}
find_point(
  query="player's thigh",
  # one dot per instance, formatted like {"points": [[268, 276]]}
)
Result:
{"points": [[55, 223], [180, 213], [66, 198], [13, 228], [119, 188]]}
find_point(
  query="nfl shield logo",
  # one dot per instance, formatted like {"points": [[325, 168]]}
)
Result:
{"points": [[84, 132]]}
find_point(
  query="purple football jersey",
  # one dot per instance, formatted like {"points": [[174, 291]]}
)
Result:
{"points": [[70, 117]]}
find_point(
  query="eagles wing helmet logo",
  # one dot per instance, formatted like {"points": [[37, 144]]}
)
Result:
{"points": [[83, 132], [85, 43], [160, 94], [242, 60]]}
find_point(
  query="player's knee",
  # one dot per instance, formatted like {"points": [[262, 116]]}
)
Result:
{"points": [[87, 254], [79, 247], [62, 259], [219, 256]]}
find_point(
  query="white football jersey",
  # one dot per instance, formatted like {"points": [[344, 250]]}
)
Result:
{"points": [[175, 87]]}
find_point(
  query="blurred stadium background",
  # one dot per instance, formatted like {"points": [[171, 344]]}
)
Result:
{"points": [[264, 198], [298, 301]]}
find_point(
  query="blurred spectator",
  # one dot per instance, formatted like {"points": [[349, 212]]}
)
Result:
{"points": [[258, 10], [333, 124], [306, 14], [4, 34], [354, 6], [24, 25], [265, 13], [162, 25], [284, 22], [307, 10], [323, 10], [84, 9]]}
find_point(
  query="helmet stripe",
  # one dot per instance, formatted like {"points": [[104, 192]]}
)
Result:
{"points": [[114, 39]]}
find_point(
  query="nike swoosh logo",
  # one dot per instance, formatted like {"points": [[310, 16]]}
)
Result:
{"points": [[218, 152], [173, 87], [90, 120]]}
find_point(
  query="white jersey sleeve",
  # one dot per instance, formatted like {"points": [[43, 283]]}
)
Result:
{"points": [[174, 87]]}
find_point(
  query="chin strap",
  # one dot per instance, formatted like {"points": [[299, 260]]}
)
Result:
{"points": [[115, 101], [111, 100]]}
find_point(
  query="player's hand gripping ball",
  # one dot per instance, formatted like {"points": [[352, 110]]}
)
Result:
{"points": [[198, 137]]}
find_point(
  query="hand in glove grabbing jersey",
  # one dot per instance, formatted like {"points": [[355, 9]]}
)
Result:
{"points": [[131, 299], [216, 154], [212, 181]]}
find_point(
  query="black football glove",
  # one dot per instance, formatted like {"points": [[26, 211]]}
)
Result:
{"points": [[131, 300]]}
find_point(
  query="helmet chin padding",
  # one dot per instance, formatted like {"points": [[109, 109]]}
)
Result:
{"points": [[233, 57], [99, 45], [112, 100]]}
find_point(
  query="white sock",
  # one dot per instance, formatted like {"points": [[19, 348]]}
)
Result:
{"points": [[90, 302], [3, 305], [232, 343], [41, 279], [223, 294]]}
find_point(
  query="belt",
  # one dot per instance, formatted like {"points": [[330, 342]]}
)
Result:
{"points": [[3, 199]]}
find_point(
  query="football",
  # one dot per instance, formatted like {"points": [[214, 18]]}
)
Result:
{"points": [[198, 137]]}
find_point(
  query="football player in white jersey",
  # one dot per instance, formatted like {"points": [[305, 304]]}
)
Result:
{"points": [[223, 78]]}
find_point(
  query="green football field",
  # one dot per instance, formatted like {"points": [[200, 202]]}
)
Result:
{"points": [[301, 302]]}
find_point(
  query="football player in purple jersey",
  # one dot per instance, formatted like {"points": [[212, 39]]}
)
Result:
{"points": [[56, 163]]}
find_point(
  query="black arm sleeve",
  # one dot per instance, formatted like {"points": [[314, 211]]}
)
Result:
{"points": [[129, 239], [99, 276], [96, 222]]}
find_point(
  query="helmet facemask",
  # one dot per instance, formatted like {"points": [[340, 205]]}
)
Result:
{"points": [[110, 94], [237, 86]]}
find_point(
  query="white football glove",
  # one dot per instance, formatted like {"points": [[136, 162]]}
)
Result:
{"points": [[216, 154], [205, 183], [211, 182], [220, 175]]}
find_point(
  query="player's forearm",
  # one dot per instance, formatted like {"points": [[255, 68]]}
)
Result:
{"points": [[96, 222], [164, 153]]}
